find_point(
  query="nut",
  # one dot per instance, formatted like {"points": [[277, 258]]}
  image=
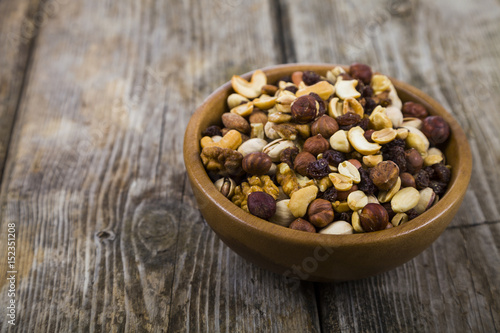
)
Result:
{"points": [[297, 77], [264, 102], [320, 213], [225, 186], [384, 136], [348, 169], [415, 110], [237, 122], [243, 109], [379, 119], [343, 195], [384, 175], [399, 219], [323, 88], [357, 200], [372, 160], [279, 117], [324, 125], [302, 225], [261, 205], [361, 72], [386, 196], [357, 139], [355, 162], [231, 140], [270, 131], [402, 133], [393, 96], [250, 89], [356, 224], [283, 215], [234, 100], [406, 199], [286, 131], [346, 88], [340, 182], [426, 200], [416, 139], [275, 148], [304, 109], [316, 144], [302, 161], [340, 142], [436, 129], [284, 102], [395, 115], [335, 108], [373, 217], [257, 131], [414, 161], [341, 207], [332, 74], [352, 105], [338, 228], [252, 146], [432, 159], [412, 122], [258, 117], [269, 89], [407, 180], [380, 83], [299, 201], [256, 163]]}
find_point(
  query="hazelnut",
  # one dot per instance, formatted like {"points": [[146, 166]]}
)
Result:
{"points": [[407, 180], [320, 212], [368, 135], [302, 161], [373, 217], [414, 110], [342, 195], [304, 109], [414, 161], [324, 125], [258, 116], [436, 129], [297, 77], [316, 144], [355, 162], [261, 205], [257, 163], [302, 225], [384, 175], [361, 72]]}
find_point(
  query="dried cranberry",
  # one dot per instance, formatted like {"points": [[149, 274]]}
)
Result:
{"points": [[334, 157], [441, 173], [212, 131], [421, 180], [318, 169], [310, 78], [288, 156], [366, 185], [330, 194], [321, 103]]}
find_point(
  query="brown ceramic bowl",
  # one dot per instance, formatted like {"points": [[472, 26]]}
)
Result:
{"points": [[318, 257]]}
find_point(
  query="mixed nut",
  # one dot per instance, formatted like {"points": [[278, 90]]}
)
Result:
{"points": [[334, 154]]}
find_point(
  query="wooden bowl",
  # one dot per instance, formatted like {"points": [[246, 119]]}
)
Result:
{"points": [[318, 257]]}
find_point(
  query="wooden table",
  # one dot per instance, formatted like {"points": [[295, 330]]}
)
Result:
{"points": [[94, 99]]}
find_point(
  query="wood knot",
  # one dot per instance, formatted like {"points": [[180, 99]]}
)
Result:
{"points": [[105, 235]]}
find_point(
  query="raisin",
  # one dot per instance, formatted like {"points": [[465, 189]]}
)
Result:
{"points": [[344, 216], [212, 131], [430, 172], [334, 157], [366, 185], [388, 208], [441, 173], [412, 213], [370, 105], [292, 89], [438, 187], [421, 180], [349, 118], [286, 78], [330, 194], [367, 91], [318, 169], [321, 103], [364, 123], [288, 156], [310, 78]]}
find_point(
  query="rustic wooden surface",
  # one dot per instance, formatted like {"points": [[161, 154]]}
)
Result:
{"points": [[108, 234]]}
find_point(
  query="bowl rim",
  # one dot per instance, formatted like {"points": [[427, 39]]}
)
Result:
{"points": [[199, 177]]}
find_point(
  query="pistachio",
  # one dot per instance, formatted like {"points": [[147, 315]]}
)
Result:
{"points": [[226, 186], [250, 89], [384, 136], [399, 219], [348, 169], [234, 100], [275, 148], [323, 88], [340, 142], [283, 215], [346, 88], [426, 200], [300, 200], [252, 146], [406, 199], [357, 200], [337, 228], [358, 141]]}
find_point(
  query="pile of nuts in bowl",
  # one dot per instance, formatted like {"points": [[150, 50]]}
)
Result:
{"points": [[334, 154]]}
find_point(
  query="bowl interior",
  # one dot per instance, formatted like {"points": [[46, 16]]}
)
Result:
{"points": [[457, 153]]}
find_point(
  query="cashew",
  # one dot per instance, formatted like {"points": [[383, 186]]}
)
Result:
{"points": [[358, 141], [335, 108], [323, 88], [346, 88], [250, 89], [301, 199], [264, 102], [352, 105], [231, 140]]}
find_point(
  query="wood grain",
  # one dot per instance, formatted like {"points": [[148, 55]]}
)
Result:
{"points": [[108, 235], [18, 29]]}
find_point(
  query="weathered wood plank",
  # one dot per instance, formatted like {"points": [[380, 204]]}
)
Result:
{"points": [[18, 28], [428, 45], [108, 237], [452, 287]]}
